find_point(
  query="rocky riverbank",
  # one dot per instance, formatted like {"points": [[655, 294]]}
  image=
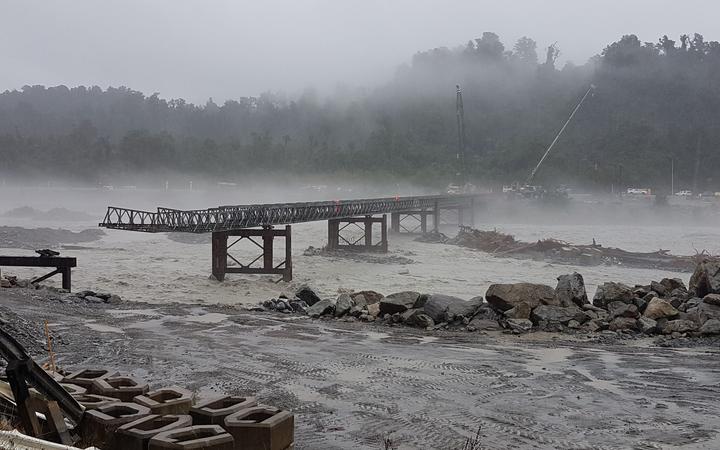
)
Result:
{"points": [[667, 307]]}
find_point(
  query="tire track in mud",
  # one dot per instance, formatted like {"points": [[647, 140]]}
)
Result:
{"points": [[351, 385]]}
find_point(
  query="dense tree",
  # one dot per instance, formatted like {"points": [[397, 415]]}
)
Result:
{"points": [[653, 103]]}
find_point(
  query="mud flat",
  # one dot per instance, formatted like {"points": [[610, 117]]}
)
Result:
{"points": [[353, 384]]}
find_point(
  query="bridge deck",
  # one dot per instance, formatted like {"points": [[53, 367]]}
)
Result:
{"points": [[226, 218]]}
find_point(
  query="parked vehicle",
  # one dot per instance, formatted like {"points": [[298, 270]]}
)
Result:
{"points": [[639, 191]]}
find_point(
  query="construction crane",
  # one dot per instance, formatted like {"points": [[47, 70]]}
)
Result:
{"points": [[552, 144], [461, 184], [460, 114]]}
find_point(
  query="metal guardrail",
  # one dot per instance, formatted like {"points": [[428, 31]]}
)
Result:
{"points": [[226, 218]]}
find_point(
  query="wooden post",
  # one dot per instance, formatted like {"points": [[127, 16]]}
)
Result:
{"points": [[436, 217], [423, 222]]}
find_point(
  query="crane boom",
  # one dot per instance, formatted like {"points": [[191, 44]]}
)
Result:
{"points": [[460, 114], [552, 144]]}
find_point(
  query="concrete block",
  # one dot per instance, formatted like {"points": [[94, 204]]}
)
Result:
{"points": [[171, 400], [214, 411], [206, 437], [86, 377], [93, 401], [98, 426], [136, 435], [74, 389], [124, 388], [262, 428]]}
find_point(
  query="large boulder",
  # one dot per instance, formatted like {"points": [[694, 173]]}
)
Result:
{"points": [[519, 326], [370, 296], [544, 314], [373, 309], [417, 318], [445, 308], [398, 302], [521, 311], [571, 290], [710, 327], [658, 308], [712, 299], [343, 304], [322, 307], [502, 297], [647, 325], [610, 292], [706, 278], [620, 309], [486, 312], [672, 284], [660, 289], [704, 312], [359, 301], [679, 326], [307, 294], [622, 323], [478, 324]]}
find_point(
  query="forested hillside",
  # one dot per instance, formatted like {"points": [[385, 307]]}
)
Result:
{"points": [[653, 103]]}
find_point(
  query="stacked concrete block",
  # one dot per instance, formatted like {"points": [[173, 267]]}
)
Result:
{"points": [[172, 400], [124, 388], [136, 435], [214, 411], [261, 428], [206, 437]]}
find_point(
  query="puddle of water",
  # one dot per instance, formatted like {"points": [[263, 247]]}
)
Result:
{"points": [[547, 360], [103, 328], [132, 312], [206, 318], [375, 335], [426, 339]]}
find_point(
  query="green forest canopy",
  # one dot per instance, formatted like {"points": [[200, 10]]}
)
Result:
{"points": [[653, 103]]}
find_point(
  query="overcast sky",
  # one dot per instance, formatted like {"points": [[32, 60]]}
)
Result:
{"points": [[231, 48]]}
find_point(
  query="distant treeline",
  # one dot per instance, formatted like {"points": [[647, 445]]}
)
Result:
{"points": [[653, 103]]}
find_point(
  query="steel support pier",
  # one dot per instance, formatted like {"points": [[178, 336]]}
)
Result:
{"points": [[264, 263], [337, 241]]}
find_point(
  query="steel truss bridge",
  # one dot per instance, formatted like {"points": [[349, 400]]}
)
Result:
{"points": [[243, 221], [226, 218]]}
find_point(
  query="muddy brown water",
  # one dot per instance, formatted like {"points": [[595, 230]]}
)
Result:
{"points": [[351, 385]]}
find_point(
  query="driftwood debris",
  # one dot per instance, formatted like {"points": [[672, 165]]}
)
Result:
{"points": [[505, 245]]}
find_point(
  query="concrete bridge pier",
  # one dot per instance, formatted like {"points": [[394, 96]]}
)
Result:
{"points": [[264, 263], [338, 241]]}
